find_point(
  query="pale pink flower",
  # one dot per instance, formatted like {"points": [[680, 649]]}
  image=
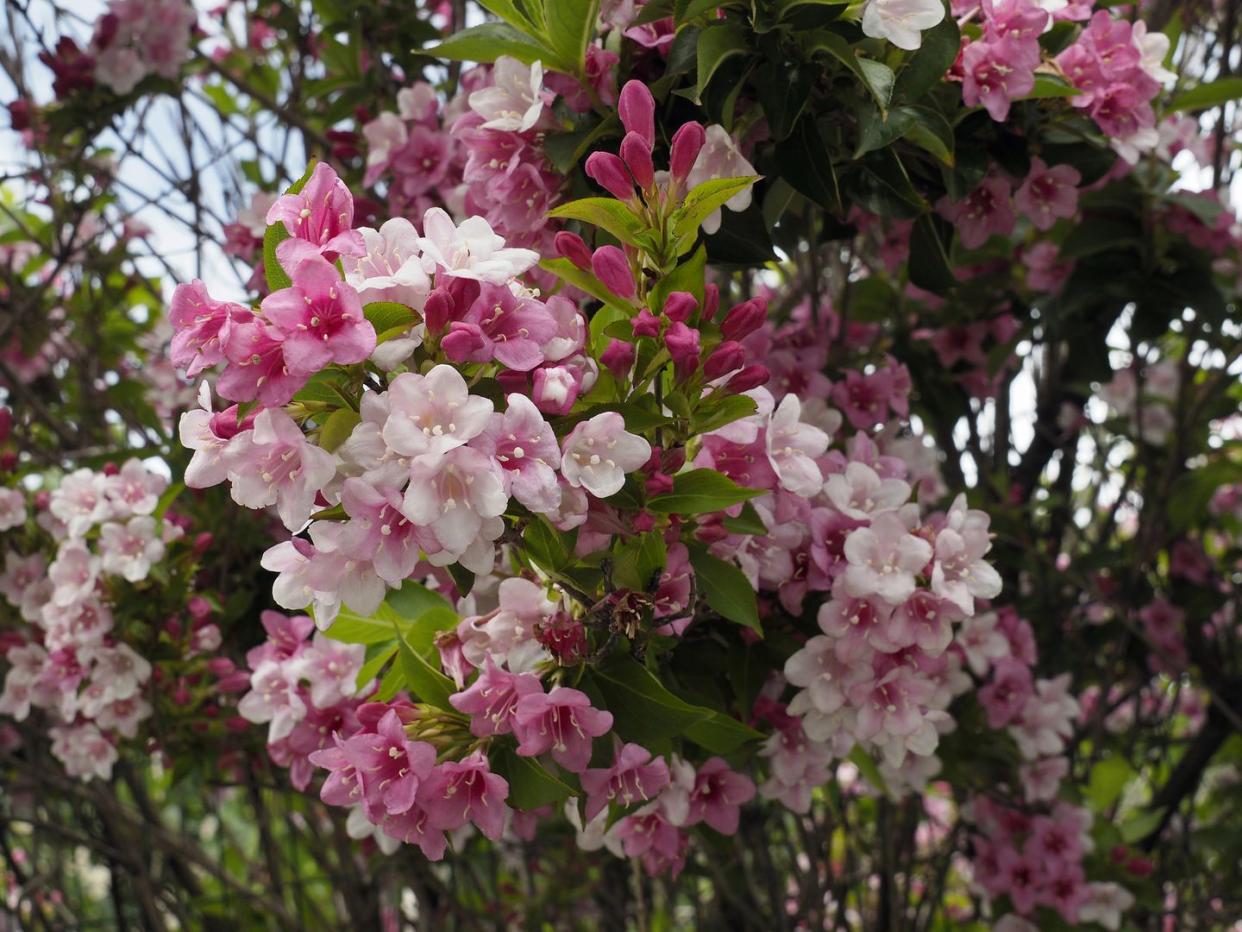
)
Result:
{"points": [[81, 501], [273, 464], [960, 574], [130, 549], [431, 414], [454, 494], [73, 573], [901, 22], [471, 250], [392, 268], [515, 100], [599, 452], [274, 699], [859, 492], [12, 509], [720, 158], [525, 446], [330, 667], [884, 559], [793, 446]]}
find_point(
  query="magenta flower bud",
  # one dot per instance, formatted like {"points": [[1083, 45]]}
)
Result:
{"points": [[220, 666], [438, 311], [556, 389], [613, 269], [683, 347], [8, 461], [645, 324], [748, 378], [198, 607], [610, 173], [724, 359], [711, 301], [42, 499], [636, 153], [6, 424], [570, 246], [619, 359], [679, 306], [711, 533], [203, 542], [465, 343], [687, 143], [513, 381], [637, 109], [659, 483], [644, 521], [744, 319]]}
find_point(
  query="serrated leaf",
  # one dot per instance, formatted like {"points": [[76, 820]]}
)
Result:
{"points": [[726, 589], [700, 202], [608, 214], [701, 491], [569, 28]]}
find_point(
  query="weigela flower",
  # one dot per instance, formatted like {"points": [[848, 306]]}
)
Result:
{"points": [[273, 464], [901, 22], [319, 220], [454, 494], [514, 103], [431, 414], [470, 250], [597, 454], [561, 722], [633, 777], [457, 792], [321, 318]]}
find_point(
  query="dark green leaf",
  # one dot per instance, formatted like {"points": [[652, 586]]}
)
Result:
{"points": [[530, 784], [701, 491], [726, 589], [717, 42], [643, 710], [1212, 94]]}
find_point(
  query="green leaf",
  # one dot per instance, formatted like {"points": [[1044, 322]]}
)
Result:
{"points": [[352, 628], [549, 548], [389, 315], [930, 268], [514, 14], [565, 150], [337, 428], [928, 65], [530, 784], [422, 679], [715, 412], [487, 42], [807, 166], [275, 234], [585, 281], [1047, 86], [413, 600], [722, 734], [701, 201], [688, 276], [701, 491], [932, 132], [867, 767], [875, 76], [643, 710], [1212, 94], [377, 655], [608, 214], [717, 43], [726, 589], [570, 28], [1108, 778], [638, 562], [748, 522]]}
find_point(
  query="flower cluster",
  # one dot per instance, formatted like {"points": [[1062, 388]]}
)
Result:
{"points": [[103, 529], [137, 38]]}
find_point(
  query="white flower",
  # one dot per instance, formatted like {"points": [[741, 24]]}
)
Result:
{"points": [[12, 509], [1108, 901], [129, 549], [514, 102], [599, 452], [720, 158], [471, 250], [792, 447], [392, 268], [901, 22], [1153, 48]]}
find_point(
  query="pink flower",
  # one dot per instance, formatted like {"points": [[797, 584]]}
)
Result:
{"points": [[718, 794], [562, 722], [12, 509], [650, 836], [515, 101], [257, 366], [390, 766], [454, 495], [331, 668], [994, 73], [492, 699], [321, 318], [431, 414], [524, 445], [319, 220], [273, 698], [202, 327], [633, 777], [471, 250], [81, 501], [378, 531], [273, 464], [859, 492], [599, 452], [392, 268], [513, 329], [73, 573], [1006, 695], [985, 212], [459, 791], [960, 574], [792, 448], [720, 157], [1048, 193], [134, 489], [884, 559], [129, 549]]}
